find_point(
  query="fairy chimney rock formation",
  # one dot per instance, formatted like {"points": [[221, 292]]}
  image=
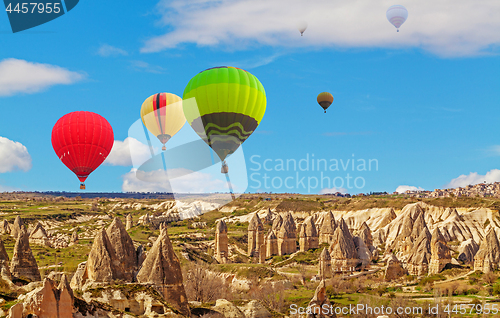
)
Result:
{"points": [[308, 237], [343, 250], [4, 262], [221, 243], [363, 252], [66, 298], [488, 255], [162, 268], [271, 244], [23, 264], [128, 222], [4, 227], [287, 236], [123, 248], [74, 238], [325, 264], [39, 236], [327, 229], [467, 250], [365, 234], [103, 265], [440, 253], [408, 226], [277, 222], [17, 227], [320, 301], [268, 217], [50, 301], [4, 257], [394, 269], [141, 255], [80, 276], [262, 253], [255, 236], [420, 256]]}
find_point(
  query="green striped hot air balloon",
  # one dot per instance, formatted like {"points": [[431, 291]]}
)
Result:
{"points": [[224, 105]]}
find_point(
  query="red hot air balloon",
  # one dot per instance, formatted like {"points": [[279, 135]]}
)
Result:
{"points": [[82, 140]]}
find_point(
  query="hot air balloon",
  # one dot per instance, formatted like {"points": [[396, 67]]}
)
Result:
{"points": [[163, 116], [82, 140], [325, 99], [302, 26], [397, 15], [230, 103]]}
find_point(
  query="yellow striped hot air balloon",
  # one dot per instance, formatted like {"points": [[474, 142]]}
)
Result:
{"points": [[163, 116]]}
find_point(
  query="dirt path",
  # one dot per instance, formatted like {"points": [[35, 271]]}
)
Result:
{"points": [[454, 278]]}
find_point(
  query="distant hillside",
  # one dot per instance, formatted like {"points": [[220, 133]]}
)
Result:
{"points": [[89, 195]]}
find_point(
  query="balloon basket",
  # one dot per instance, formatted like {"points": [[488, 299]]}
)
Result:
{"points": [[82, 186], [163, 148], [224, 168], [325, 111]]}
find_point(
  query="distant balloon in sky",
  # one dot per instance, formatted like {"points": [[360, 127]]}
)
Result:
{"points": [[325, 99], [302, 26], [82, 140], [163, 116], [397, 15]]}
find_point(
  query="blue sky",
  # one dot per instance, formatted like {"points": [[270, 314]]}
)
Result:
{"points": [[423, 102]]}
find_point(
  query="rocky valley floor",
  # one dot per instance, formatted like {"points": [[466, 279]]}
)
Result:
{"points": [[258, 256]]}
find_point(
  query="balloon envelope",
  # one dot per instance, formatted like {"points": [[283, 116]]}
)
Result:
{"points": [[325, 99], [163, 116], [224, 105], [302, 26], [82, 140], [397, 15]]}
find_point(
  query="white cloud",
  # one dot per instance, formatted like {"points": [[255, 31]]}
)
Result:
{"points": [[446, 27], [404, 188], [146, 67], [474, 178], [333, 190], [20, 76], [128, 152], [108, 50], [494, 150], [13, 156], [173, 180]]}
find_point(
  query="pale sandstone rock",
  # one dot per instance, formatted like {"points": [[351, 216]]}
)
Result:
{"points": [[440, 253], [162, 269], [467, 250], [255, 236], [327, 229], [23, 264], [123, 248], [394, 269], [487, 257], [221, 242], [254, 309], [228, 309], [319, 302], [343, 250], [308, 236], [325, 264], [287, 236], [16, 227]]}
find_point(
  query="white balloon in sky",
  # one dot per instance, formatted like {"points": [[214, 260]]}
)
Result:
{"points": [[397, 15], [302, 26]]}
